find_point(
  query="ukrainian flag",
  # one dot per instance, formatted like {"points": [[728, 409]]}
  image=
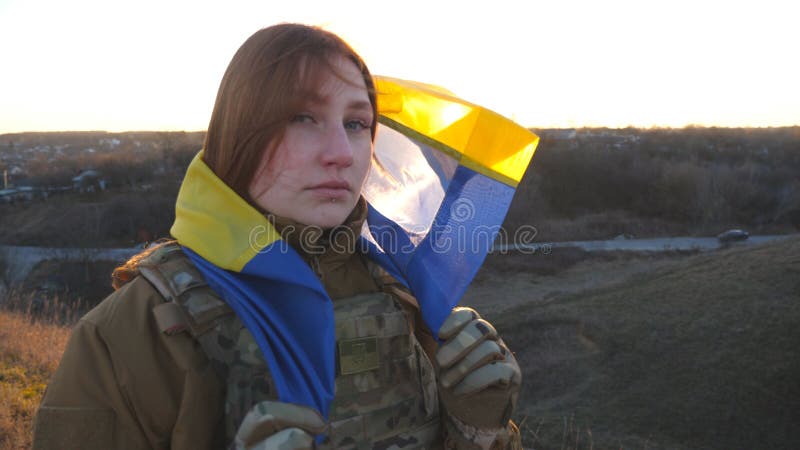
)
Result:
{"points": [[443, 175]]}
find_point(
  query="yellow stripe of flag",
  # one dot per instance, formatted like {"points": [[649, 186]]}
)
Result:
{"points": [[484, 137], [212, 220]]}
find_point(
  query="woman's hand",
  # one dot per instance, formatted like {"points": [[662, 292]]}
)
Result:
{"points": [[278, 425], [479, 379]]}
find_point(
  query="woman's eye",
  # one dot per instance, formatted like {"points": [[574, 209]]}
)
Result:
{"points": [[303, 118], [356, 125]]}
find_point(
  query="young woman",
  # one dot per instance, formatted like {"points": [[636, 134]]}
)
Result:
{"points": [[211, 342]]}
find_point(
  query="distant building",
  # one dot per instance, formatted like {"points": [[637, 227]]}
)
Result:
{"points": [[559, 134], [110, 142]]}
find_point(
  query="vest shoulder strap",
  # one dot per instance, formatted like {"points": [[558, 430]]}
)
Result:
{"points": [[190, 303], [389, 284]]}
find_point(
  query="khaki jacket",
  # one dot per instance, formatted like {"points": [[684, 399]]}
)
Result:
{"points": [[122, 384]]}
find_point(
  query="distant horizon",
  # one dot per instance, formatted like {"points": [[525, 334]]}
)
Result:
{"points": [[690, 126]]}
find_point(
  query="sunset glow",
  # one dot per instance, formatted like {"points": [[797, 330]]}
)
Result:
{"points": [[151, 65]]}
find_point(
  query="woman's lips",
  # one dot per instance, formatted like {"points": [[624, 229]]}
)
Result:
{"points": [[331, 189]]}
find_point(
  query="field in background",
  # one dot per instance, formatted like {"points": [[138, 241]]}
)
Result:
{"points": [[674, 352], [141, 172], [583, 184], [599, 183]]}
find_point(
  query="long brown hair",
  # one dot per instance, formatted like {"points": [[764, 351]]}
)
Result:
{"points": [[265, 84]]}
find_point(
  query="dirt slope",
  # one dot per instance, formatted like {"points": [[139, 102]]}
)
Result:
{"points": [[692, 352]]}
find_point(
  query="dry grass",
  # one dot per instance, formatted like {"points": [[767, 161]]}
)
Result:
{"points": [[29, 353], [572, 437]]}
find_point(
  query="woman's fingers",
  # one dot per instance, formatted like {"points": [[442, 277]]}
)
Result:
{"points": [[267, 418], [484, 353], [469, 337], [504, 373], [287, 439], [457, 320]]}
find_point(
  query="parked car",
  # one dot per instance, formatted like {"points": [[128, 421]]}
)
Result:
{"points": [[21, 194], [734, 235], [8, 196], [88, 181]]}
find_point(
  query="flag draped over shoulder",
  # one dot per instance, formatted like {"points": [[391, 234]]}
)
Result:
{"points": [[442, 179], [266, 283]]}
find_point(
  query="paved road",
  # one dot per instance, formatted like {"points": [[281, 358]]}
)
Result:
{"points": [[21, 260], [639, 245]]}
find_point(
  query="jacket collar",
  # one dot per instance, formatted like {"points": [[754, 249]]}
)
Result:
{"points": [[312, 240]]}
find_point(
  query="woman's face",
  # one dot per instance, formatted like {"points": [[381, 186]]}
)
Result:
{"points": [[316, 172]]}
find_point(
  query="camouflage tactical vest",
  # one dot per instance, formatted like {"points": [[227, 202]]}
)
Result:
{"points": [[386, 394]]}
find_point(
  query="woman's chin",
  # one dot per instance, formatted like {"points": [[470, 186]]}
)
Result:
{"points": [[330, 214]]}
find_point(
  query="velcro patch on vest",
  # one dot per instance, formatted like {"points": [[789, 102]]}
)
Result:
{"points": [[170, 318], [381, 325], [203, 307], [358, 355]]}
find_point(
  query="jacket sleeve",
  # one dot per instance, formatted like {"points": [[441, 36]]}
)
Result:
{"points": [[122, 384]]}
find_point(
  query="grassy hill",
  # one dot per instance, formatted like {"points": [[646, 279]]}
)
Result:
{"points": [[699, 353]]}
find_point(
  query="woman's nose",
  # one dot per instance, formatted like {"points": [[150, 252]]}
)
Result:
{"points": [[338, 149]]}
